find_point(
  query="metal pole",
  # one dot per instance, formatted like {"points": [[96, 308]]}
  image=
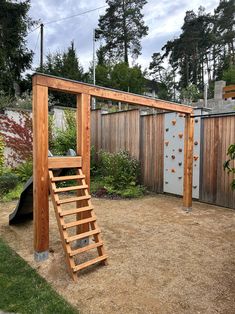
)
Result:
{"points": [[41, 48], [205, 94]]}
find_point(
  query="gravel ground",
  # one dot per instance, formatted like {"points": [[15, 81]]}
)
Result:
{"points": [[161, 259]]}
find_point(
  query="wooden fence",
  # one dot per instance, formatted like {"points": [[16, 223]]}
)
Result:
{"points": [[229, 92], [216, 135], [143, 137]]}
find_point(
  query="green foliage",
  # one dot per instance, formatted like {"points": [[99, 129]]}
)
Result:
{"points": [[122, 27], [13, 194], [8, 181], [5, 101], [117, 175], [66, 65], [120, 169], [190, 94], [15, 58], [22, 290], [1, 154], [227, 163], [229, 75], [204, 49], [24, 171], [65, 139], [93, 165], [129, 79]]}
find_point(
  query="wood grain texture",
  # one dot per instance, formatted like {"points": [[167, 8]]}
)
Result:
{"points": [[96, 127], [75, 87], [64, 162], [83, 148], [40, 168], [121, 131], [188, 162], [152, 151], [218, 134]]}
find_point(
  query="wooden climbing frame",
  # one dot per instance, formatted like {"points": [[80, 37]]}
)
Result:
{"points": [[84, 92]]}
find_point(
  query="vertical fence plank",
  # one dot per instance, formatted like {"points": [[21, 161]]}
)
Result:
{"points": [[218, 133], [151, 151]]}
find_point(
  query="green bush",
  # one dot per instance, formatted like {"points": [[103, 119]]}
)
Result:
{"points": [[120, 170], [65, 139], [116, 174], [24, 171], [8, 181], [228, 164]]}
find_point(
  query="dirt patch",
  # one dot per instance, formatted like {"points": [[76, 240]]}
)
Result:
{"points": [[161, 259]]}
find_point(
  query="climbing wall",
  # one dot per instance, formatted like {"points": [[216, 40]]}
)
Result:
{"points": [[174, 153]]}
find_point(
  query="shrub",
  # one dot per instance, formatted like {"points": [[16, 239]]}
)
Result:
{"points": [[227, 163], [8, 182], [1, 155], [120, 169], [18, 137], [24, 171], [65, 139]]}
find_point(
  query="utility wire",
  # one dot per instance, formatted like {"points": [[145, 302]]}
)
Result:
{"points": [[33, 30], [71, 16], [36, 43]]}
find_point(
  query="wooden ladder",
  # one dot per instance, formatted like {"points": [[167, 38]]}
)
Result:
{"points": [[72, 222]]}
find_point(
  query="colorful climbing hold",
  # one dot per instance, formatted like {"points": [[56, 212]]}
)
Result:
{"points": [[195, 158], [196, 143], [167, 130], [173, 122], [180, 135], [180, 150], [180, 163], [173, 170], [173, 156], [166, 143]]}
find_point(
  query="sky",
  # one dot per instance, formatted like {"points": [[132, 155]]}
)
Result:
{"points": [[164, 19]]}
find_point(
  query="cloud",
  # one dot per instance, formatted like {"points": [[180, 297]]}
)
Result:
{"points": [[164, 19]]}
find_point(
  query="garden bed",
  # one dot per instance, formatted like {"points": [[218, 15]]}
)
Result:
{"points": [[161, 259]]}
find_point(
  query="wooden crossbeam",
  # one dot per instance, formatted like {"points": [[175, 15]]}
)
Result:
{"points": [[75, 87]]}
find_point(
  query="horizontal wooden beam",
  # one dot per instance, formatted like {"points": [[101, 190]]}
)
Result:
{"points": [[75, 87], [64, 162], [229, 95], [229, 88]]}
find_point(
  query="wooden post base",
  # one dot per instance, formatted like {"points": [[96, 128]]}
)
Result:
{"points": [[41, 256]]}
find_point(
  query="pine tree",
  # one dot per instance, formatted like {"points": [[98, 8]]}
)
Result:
{"points": [[122, 27], [66, 65], [15, 58]]}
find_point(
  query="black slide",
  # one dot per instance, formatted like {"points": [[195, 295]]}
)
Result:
{"points": [[24, 208]]}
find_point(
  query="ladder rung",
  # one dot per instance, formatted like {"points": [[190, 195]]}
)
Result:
{"points": [[91, 262], [75, 211], [74, 199], [70, 188], [86, 248], [66, 178], [82, 235], [79, 222]]}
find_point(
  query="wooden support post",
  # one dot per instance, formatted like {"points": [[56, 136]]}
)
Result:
{"points": [[188, 162], [83, 144], [40, 171]]}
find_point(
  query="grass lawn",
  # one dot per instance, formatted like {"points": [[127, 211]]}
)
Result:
{"points": [[22, 290]]}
